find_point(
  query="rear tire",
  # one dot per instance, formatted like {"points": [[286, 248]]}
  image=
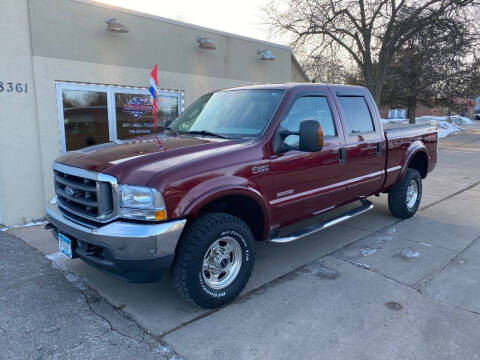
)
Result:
{"points": [[404, 199], [214, 260]]}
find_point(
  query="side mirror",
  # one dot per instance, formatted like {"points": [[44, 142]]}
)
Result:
{"points": [[311, 136]]}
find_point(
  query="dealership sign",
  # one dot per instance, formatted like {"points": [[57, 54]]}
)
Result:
{"points": [[137, 106]]}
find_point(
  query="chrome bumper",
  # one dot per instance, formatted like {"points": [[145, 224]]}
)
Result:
{"points": [[125, 240]]}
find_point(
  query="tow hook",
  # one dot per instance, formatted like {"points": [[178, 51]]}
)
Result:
{"points": [[49, 226]]}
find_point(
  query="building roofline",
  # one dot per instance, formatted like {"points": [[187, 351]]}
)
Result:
{"points": [[299, 66], [179, 23]]}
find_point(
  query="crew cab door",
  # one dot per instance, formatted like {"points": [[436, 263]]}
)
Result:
{"points": [[307, 183], [364, 140]]}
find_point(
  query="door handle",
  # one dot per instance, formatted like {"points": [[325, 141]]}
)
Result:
{"points": [[379, 149], [342, 154]]}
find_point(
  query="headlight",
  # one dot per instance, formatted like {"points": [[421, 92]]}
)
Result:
{"points": [[141, 203]]}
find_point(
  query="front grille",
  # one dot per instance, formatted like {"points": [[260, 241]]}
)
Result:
{"points": [[83, 195]]}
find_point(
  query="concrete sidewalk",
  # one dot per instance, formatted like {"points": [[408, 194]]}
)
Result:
{"points": [[374, 287]]}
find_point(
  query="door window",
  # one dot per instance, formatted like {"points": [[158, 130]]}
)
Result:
{"points": [[356, 114], [308, 108], [95, 114]]}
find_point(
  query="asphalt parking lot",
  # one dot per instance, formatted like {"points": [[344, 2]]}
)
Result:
{"points": [[371, 288]]}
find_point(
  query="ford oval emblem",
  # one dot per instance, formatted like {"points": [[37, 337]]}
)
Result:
{"points": [[69, 191]]}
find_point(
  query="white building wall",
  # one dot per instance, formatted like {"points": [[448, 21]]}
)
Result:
{"points": [[20, 158]]}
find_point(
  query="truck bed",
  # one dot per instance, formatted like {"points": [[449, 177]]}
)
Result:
{"points": [[402, 137], [390, 127]]}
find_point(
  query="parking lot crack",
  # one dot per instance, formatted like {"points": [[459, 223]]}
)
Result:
{"points": [[424, 282], [369, 268], [91, 298], [154, 345], [450, 196], [105, 319], [452, 305]]}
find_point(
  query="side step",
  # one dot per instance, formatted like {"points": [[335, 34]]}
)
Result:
{"points": [[366, 206]]}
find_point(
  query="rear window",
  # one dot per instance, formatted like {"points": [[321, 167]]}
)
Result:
{"points": [[356, 114]]}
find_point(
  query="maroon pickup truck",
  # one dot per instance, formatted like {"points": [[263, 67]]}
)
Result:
{"points": [[237, 166]]}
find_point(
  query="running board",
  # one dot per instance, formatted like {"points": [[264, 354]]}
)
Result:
{"points": [[366, 206]]}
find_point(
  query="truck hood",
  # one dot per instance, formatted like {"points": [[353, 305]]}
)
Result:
{"points": [[136, 161]]}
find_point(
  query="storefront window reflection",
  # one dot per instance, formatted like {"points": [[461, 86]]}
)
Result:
{"points": [[90, 114], [85, 118], [134, 113]]}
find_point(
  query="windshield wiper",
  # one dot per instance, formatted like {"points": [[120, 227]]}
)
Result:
{"points": [[175, 132], [206, 133]]}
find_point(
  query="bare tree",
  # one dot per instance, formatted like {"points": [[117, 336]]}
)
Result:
{"points": [[370, 32], [327, 70], [431, 67]]}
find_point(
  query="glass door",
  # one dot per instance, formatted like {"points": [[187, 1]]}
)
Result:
{"points": [[82, 115]]}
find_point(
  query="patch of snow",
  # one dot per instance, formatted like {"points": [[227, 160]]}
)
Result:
{"points": [[58, 260], [165, 350], [76, 280], [446, 125], [368, 251], [391, 230], [445, 129], [425, 244], [407, 254], [26, 225], [454, 119], [363, 266]]}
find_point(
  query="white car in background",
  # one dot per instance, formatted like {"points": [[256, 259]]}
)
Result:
{"points": [[476, 115]]}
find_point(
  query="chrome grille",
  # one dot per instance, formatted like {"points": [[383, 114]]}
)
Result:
{"points": [[84, 193]]}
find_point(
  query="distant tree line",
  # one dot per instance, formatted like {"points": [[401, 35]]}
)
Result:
{"points": [[406, 52]]}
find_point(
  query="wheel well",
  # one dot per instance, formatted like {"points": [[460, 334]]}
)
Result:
{"points": [[242, 207], [419, 162]]}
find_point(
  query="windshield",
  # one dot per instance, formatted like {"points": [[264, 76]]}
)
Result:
{"points": [[230, 113]]}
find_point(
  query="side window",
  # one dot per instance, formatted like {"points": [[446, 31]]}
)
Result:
{"points": [[308, 108], [356, 114]]}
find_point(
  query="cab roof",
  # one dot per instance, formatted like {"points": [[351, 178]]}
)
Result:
{"points": [[294, 86]]}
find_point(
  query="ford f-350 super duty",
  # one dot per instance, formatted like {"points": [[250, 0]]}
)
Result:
{"points": [[237, 166]]}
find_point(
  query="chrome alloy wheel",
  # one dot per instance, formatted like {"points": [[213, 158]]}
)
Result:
{"points": [[222, 262], [412, 193]]}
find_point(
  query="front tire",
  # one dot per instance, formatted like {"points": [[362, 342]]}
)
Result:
{"points": [[404, 199], [214, 260]]}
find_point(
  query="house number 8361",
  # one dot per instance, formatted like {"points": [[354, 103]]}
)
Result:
{"points": [[13, 87]]}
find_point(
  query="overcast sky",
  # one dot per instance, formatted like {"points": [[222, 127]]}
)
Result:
{"points": [[242, 17]]}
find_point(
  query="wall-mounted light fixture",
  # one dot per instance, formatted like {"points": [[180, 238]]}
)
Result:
{"points": [[265, 54], [114, 26], [205, 43]]}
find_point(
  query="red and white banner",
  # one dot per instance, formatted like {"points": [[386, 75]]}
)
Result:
{"points": [[154, 91]]}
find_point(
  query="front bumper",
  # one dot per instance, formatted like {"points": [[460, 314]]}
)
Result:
{"points": [[131, 251]]}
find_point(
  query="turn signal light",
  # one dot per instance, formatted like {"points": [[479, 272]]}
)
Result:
{"points": [[160, 215]]}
